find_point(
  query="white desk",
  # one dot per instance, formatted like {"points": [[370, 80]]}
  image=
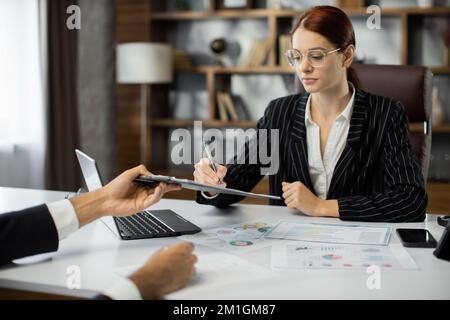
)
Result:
{"points": [[98, 252]]}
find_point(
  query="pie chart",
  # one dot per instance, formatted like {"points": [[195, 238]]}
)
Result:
{"points": [[331, 257], [241, 243]]}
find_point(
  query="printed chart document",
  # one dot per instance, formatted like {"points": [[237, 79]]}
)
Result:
{"points": [[308, 255], [236, 238], [215, 269], [330, 233], [220, 269]]}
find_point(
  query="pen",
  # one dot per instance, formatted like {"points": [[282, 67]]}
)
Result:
{"points": [[210, 158]]}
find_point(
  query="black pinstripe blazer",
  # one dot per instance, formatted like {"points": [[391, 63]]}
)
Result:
{"points": [[377, 178], [28, 232]]}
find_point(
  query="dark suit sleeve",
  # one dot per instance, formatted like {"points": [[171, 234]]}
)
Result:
{"points": [[245, 171], [404, 198], [27, 232]]}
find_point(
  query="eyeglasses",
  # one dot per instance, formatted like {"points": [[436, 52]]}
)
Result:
{"points": [[315, 58]]}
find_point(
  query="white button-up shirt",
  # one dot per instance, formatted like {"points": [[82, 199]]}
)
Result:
{"points": [[321, 169], [66, 222]]}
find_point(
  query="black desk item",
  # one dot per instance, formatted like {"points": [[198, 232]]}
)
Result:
{"points": [[443, 248], [416, 238], [443, 221]]}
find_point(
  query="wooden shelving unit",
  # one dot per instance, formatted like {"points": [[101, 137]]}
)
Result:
{"points": [[172, 123], [237, 70], [154, 22], [418, 127], [440, 70], [135, 19], [269, 70], [213, 14], [283, 13], [444, 128]]}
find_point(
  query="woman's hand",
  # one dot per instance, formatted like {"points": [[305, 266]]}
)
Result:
{"points": [[204, 174], [297, 196]]}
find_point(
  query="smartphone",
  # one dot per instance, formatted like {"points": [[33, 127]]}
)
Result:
{"points": [[416, 238]]}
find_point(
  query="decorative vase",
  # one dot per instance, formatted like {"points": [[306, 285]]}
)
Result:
{"points": [[218, 47]]}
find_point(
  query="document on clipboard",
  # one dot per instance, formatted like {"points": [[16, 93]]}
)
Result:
{"points": [[192, 185]]}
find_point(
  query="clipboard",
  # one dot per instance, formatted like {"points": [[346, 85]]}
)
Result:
{"points": [[153, 180]]}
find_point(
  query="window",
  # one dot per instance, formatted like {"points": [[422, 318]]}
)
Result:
{"points": [[22, 93]]}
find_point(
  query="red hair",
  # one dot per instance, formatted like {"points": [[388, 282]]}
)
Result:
{"points": [[333, 24]]}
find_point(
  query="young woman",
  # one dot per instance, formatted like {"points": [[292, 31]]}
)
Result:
{"points": [[343, 152]]}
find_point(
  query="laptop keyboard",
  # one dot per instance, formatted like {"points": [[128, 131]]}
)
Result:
{"points": [[142, 224]]}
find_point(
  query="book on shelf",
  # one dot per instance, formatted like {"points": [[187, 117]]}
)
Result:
{"points": [[182, 60], [284, 44], [221, 107], [229, 106], [258, 53]]}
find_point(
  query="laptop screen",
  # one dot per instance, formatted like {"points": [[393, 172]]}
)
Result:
{"points": [[89, 170]]}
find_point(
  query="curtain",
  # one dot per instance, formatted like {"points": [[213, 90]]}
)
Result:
{"points": [[63, 172], [22, 93]]}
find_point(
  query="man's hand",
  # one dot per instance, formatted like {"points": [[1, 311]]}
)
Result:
{"points": [[297, 196], [168, 270], [125, 197], [120, 197]]}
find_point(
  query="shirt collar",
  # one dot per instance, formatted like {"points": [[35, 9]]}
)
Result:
{"points": [[346, 113]]}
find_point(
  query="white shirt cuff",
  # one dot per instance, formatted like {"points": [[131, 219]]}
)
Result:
{"points": [[64, 216], [209, 197], [123, 289]]}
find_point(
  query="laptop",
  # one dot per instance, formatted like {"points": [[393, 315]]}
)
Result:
{"points": [[142, 225]]}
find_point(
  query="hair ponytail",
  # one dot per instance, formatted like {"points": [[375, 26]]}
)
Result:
{"points": [[353, 78]]}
